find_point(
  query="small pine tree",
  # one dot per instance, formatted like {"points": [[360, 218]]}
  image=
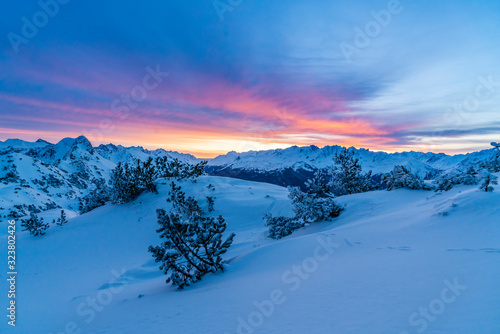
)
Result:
{"points": [[147, 174], [211, 202], [280, 227], [493, 163], [161, 164], [124, 182], [34, 225], [178, 169], [193, 245], [181, 205], [96, 198], [62, 220], [347, 176], [447, 181], [308, 208], [488, 180], [401, 177], [318, 185], [469, 178]]}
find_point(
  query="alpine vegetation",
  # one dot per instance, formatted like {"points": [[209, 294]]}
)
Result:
{"points": [[493, 163], [193, 242], [178, 169], [455, 177], [128, 182], [318, 185], [401, 177], [307, 208], [347, 176], [62, 219], [488, 179], [211, 203], [95, 198], [34, 225]]}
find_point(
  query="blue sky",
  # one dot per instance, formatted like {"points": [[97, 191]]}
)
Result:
{"points": [[254, 75]]}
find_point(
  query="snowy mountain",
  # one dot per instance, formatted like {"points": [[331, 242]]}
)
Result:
{"points": [[394, 262], [38, 176], [294, 165]]}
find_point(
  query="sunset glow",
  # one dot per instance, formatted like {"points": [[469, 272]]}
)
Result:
{"points": [[184, 79]]}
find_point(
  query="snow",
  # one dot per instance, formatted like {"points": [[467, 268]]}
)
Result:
{"points": [[74, 162], [22, 144], [309, 157], [390, 254]]}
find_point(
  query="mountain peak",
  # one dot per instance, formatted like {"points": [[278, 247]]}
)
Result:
{"points": [[40, 140]]}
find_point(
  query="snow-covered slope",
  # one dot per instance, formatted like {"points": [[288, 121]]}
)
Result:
{"points": [[393, 262], [295, 165], [312, 157], [40, 175]]}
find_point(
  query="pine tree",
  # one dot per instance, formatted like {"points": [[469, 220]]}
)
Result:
{"points": [[62, 220], [178, 169], [96, 197], [147, 173], [488, 180], [347, 176], [124, 182], [401, 177], [447, 181], [280, 227], [318, 185], [307, 208], [470, 177], [161, 164], [34, 225], [493, 163], [211, 202], [193, 245]]}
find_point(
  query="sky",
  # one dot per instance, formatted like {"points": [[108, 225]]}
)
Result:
{"points": [[207, 77]]}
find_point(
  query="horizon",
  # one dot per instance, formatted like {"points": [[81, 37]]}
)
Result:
{"points": [[212, 77], [239, 152]]}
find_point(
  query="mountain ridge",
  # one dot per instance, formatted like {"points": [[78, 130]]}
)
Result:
{"points": [[38, 176]]}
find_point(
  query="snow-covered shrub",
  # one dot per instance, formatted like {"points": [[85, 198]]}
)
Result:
{"points": [[400, 177], [128, 182], [449, 180], [96, 198], [211, 202], [280, 227], [488, 179], [34, 225], [193, 245], [347, 176], [147, 174], [178, 169], [62, 219], [124, 184], [318, 185], [180, 204], [493, 163], [308, 208]]}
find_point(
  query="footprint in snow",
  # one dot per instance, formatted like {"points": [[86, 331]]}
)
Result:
{"points": [[484, 250], [399, 248]]}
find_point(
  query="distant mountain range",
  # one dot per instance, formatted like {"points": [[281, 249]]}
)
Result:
{"points": [[42, 176]]}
